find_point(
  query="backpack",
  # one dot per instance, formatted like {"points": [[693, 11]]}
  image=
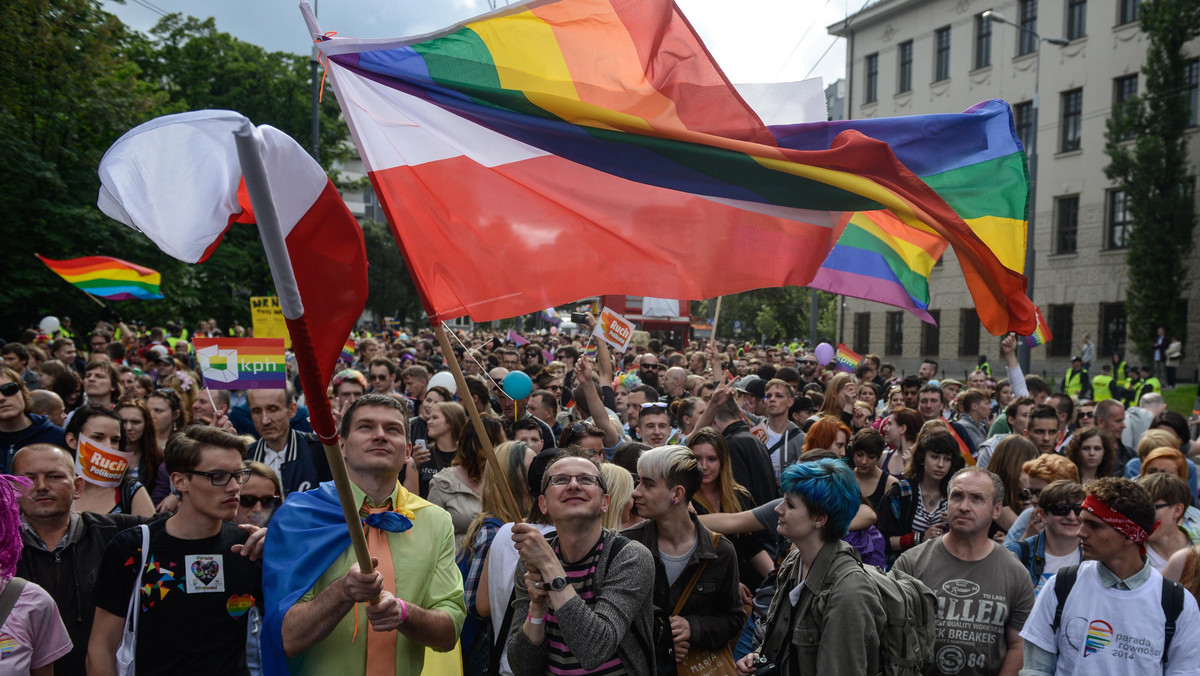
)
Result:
{"points": [[1172, 603], [910, 611]]}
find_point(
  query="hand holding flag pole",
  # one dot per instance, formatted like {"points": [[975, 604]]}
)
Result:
{"points": [[255, 175]]}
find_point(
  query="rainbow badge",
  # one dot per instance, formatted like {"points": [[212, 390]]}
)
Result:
{"points": [[242, 363], [239, 604], [1041, 335], [7, 645], [1100, 634], [847, 360]]}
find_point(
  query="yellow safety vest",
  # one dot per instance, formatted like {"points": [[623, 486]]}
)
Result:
{"points": [[1100, 388], [1073, 385], [1121, 376]]}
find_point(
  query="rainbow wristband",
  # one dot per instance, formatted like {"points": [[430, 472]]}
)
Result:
{"points": [[403, 610]]}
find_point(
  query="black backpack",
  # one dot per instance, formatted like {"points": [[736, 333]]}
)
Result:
{"points": [[1172, 602]]}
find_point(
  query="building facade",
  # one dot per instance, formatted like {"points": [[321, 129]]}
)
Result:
{"points": [[911, 57]]}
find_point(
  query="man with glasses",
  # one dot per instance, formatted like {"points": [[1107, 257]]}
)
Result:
{"points": [[297, 457], [195, 590], [1114, 613], [19, 425], [1057, 546], [382, 372], [584, 595], [314, 621]]}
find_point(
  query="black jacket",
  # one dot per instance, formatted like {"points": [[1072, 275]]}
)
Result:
{"points": [[750, 463], [304, 466], [40, 431], [69, 575]]}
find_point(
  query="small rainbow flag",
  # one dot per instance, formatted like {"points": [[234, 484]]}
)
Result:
{"points": [[242, 363], [348, 351], [1041, 335], [517, 338], [846, 360], [590, 351], [108, 278]]}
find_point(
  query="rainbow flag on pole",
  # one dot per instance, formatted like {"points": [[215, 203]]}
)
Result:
{"points": [[242, 363], [348, 351], [1041, 335], [108, 278], [534, 115], [846, 360]]}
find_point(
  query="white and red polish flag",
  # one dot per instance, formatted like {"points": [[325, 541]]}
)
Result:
{"points": [[178, 179]]}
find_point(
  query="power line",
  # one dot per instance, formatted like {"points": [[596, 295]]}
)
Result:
{"points": [[801, 40], [826, 52], [150, 6]]}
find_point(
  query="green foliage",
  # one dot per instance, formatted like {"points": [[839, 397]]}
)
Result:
{"points": [[780, 314], [77, 79], [1153, 170], [393, 293]]}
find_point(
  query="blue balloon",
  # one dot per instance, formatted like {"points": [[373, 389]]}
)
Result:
{"points": [[517, 385]]}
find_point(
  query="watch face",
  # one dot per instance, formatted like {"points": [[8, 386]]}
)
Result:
{"points": [[558, 583]]}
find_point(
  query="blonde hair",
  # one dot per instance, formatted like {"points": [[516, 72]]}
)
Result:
{"points": [[675, 465], [511, 455], [620, 492], [1156, 438], [831, 407], [1050, 468]]}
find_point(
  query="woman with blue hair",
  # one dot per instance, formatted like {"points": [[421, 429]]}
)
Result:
{"points": [[826, 617]]}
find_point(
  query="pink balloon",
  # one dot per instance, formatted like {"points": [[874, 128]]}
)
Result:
{"points": [[824, 353]]}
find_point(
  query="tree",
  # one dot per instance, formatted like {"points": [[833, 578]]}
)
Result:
{"points": [[779, 314], [1152, 169], [393, 293]]}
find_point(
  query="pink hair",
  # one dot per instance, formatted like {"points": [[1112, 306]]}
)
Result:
{"points": [[11, 488]]}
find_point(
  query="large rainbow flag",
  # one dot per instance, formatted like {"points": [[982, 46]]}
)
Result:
{"points": [[599, 140], [108, 278]]}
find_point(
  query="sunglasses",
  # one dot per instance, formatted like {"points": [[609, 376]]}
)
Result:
{"points": [[249, 501], [808, 362], [1030, 493], [1160, 505], [377, 376], [1063, 509], [10, 389], [655, 404]]}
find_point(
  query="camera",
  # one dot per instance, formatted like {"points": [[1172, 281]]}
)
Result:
{"points": [[764, 666], [578, 317]]}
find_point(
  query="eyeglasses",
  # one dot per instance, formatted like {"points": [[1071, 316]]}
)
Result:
{"points": [[222, 478], [808, 362], [10, 389], [249, 501], [1030, 493], [1160, 505], [1063, 509], [581, 479]]}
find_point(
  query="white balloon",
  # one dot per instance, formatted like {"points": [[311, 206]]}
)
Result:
{"points": [[443, 379], [49, 325]]}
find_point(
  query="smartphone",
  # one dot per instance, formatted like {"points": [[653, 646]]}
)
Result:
{"points": [[578, 317]]}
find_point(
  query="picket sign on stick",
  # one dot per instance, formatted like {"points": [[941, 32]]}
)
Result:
{"points": [[464, 395], [255, 175]]}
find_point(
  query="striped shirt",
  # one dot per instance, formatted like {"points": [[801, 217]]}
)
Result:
{"points": [[923, 518], [580, 575]]}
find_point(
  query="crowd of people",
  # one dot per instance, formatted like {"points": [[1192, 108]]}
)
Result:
{"points": [[704, 508]]}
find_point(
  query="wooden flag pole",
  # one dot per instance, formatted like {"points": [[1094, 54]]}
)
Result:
{"points": [[464, 396], [716, 318]]}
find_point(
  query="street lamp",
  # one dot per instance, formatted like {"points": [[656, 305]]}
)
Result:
{"points": [[1030, 260]]}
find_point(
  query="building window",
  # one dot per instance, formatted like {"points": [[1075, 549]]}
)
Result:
{"points": [[1072, 120], [1127, 11], [983, 41], [1066, 213], [968, 333], [894, 344], [372, 209], [1076, 19], [862, 332], [941, 61], [1026, 41], [1124, 90], [906, 60], [1191, 79], [931, 335], [1023, 118], [872, 79], [1119, 221], [1061, 319], [1112, 332]]}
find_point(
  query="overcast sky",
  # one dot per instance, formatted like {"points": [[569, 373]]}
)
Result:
{"points": [[753, 40]]}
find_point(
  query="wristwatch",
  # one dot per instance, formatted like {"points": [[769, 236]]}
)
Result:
{"points": [[558, 584]]}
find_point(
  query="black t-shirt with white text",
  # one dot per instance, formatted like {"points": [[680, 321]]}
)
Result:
{"points": [[195, 599]]}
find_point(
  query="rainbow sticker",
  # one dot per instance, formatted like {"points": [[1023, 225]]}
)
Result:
{"points": [[7, 645], [1100, 634], [239, 605]]}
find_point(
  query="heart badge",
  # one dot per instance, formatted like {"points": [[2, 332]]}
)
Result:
{"points": [[205, 570]]}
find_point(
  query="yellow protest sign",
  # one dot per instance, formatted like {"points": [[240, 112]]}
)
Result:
{"points": [[268, 319]]}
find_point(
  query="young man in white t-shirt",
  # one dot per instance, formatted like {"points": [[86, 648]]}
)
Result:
{"points": [[1113, 619], [1057, 546]]}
